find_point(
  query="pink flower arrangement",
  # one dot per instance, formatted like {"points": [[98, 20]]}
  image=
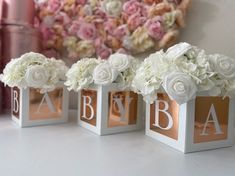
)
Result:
{"points": [[107, 26]]}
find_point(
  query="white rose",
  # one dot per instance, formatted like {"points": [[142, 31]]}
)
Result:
{"points": [[119, 61], [180, 87], [177, 50], [223, 66], [112, 7], [104, 74], [36, 76]]}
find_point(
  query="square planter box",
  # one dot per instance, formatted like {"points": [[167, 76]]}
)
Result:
{"points": [[31, 108], [106, 110], [202, 123]]}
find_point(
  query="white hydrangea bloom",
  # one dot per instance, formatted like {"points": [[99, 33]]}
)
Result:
{"points": [[80, 75]]}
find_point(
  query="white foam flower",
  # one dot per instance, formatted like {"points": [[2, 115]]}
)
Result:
{"points": [[177, 50], [179, 86], [126, 77], [104, 74], [119, 61], [60, 68], [158, 64], [112, 7], [223, 66], [36, 76], [80, 75]]}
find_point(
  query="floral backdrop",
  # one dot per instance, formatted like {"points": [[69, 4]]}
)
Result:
{"points": [[85, 28]]}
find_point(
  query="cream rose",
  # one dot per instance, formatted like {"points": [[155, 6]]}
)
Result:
{"points": [[223, 66], [36, 76], [119, 61], [140, 40], [179, 86], [112, 7], [85, 48], [104, 74]]}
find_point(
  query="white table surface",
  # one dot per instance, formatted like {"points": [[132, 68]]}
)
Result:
{"points": [[68, 150]]}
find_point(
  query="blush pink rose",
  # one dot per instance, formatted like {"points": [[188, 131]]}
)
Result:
{"points": [[47, 33], [82, 2], [121, 31], [54, 5], [100, 14], [103, 51], [110, 25], [135, 20], [155, 28], [73, 29], [63, 18], [86, 31], [131, 7]]}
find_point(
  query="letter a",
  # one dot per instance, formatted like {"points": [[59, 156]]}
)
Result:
{"points": [[15, 101], [48, 102], [157, 111], [87, 104], [212, 113]]}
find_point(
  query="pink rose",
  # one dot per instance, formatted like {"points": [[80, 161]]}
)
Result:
{"points": [[121, 31], [100, 14], [87, 31], [46, 32], [82, 2], [110, 25], [135, 20], [54, 5], [103, 51], [73, 29], [131, 7], [63, 18], [155, 28]]}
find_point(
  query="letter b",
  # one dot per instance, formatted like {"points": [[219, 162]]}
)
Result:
{"points": [[167, 115], [87, 104], [15, 101]]}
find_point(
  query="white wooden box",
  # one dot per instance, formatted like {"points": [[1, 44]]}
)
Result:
{"points": [[31, 108], [201, 124], [107, 110]]}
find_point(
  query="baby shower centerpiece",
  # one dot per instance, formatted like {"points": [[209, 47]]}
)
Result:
{"points": [[191, 96], [107, 103], [38, 94]]}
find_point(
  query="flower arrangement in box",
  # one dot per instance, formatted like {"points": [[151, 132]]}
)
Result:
{"points": [[90, 72], [38, 94], [107, 103], [84, 28], [189, 97], [182, 71], [34, 70]]}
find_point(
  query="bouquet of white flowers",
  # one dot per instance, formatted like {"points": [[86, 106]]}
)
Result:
{"points": [[34, 70], [88, 72], [182, 71]]}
